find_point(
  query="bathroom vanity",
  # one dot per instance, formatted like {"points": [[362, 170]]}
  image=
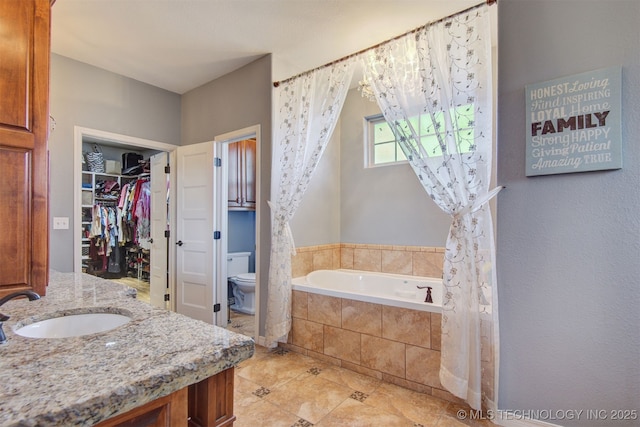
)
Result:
{"points": [[158, 369]]}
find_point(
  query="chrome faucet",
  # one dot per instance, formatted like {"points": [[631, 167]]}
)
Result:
{"points": [[3, 317]]}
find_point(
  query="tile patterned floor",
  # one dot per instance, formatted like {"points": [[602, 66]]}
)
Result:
{"points": [[281, 388], [242, 323]]}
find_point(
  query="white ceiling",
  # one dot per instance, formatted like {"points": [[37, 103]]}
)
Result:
{"points": [[179, 45]]}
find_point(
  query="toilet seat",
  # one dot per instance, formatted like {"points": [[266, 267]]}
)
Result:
{"points": [[245, 278]]}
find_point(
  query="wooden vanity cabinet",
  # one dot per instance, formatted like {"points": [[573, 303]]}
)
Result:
{"points": [[208, 403], [168, 411], [24, 128], [242, 175]]}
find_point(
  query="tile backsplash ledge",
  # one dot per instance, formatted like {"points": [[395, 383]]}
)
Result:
{"points": [[410, 260]]}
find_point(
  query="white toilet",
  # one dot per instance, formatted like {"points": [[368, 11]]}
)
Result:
{"points": [[244, 283]]}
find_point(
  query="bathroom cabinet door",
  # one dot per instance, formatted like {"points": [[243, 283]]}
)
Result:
{"points": [[208, 403], [249, 173], [234, 179], [211, 401], [24, 128], [242, 175], [168, 411]]}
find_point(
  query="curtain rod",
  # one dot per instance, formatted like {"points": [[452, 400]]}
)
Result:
{"points": [[344, 58]]}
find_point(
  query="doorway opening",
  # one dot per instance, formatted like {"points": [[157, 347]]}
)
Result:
{"points": [[121, 220], [237, 215]]}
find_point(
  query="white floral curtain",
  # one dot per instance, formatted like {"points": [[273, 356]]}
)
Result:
{"points": [[308, 108], [434, 89]]}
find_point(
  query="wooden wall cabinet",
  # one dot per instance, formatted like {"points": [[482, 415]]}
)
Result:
{"points": [[24, 128], [242, 175]]}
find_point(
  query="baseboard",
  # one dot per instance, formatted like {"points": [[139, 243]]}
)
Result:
{"points": [[518, 419], [261, 341]]}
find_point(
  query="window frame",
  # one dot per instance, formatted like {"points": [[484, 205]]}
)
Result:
{"points": [[369, 145], [369, 141]]}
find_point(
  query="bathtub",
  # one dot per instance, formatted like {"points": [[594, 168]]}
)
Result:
{"points": [[379, 288]]}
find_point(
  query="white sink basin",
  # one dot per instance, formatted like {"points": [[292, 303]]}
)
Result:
{"points": [[73, 325]]}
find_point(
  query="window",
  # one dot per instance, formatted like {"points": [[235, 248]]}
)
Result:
{"points": [[381, 144], [383, 149]]}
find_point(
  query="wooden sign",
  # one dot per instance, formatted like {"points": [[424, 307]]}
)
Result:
{"points": [[574, 123]]}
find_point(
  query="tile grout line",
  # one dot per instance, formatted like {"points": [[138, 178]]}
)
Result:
{"points": [[314, 370]]}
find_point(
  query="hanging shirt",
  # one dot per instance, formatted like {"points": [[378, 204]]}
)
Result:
{"points": [[96, 223], [113, 227], [143, 215], [123, 195]]}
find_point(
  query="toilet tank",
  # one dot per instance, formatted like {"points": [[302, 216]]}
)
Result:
{"points": [[237, 263]]}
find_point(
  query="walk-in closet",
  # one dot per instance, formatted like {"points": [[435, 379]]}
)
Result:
{"points": [[116, 213]]}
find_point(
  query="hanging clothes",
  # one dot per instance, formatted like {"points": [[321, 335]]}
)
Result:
{"points": [[120, 224], [103, 232], [143, 215], [135, 215]]}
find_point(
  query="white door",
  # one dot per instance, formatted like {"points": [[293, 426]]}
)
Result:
{"points": [[194, 231], [158, 261], [220, 185]]}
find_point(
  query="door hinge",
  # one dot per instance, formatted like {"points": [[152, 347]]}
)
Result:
{"points": [[167, 169], [217, 235], [166, 233], [216, 307], [166, 297], [217, 162]]}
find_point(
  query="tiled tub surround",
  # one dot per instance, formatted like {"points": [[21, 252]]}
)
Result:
{"points": [[396, 345], [84, 380], [410, 260]]}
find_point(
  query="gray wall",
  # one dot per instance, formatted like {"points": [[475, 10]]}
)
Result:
{"points": [[317, 220], [386, 204], [348, 203], [241, 229], [232, 102], [82, 95], [568, 245]]}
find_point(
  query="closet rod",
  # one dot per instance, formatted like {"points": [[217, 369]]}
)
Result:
{"points": [[344, 58]]}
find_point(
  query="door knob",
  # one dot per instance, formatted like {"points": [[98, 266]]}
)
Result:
{"points": [[151, 240], [179, 243]]}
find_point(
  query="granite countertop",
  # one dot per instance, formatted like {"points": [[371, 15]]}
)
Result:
{"points": [[87, 379]]}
